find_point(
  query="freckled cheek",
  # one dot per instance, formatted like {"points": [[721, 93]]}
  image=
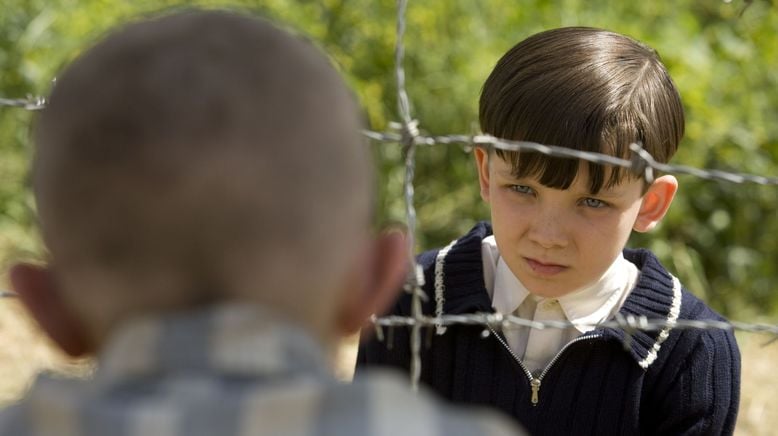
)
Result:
{"points": [[509, 214], [602, 225], [606, 237]]}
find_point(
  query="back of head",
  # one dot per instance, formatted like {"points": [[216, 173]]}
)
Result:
{"points": [[586, 89], [200, 156]]}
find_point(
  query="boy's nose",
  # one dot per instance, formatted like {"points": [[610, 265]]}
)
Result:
{"points": [[548, 231]]}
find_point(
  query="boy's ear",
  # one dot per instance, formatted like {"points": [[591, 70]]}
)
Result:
{"points": [[38, 291], [655, 203], [377, 283], [482, 162]]}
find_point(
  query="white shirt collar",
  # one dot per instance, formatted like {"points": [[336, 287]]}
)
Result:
{"points": [[587, 306]]}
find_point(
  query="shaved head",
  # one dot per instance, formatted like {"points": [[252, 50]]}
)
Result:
{"points": [[200, 156]]}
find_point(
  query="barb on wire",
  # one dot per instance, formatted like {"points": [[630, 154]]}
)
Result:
{"points": [[642, 162], [29, 103]]}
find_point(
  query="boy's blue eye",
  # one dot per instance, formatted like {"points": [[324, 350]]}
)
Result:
{"points": [[521, 189], [594, 203]]}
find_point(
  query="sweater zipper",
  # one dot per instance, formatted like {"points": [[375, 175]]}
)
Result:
{"points": [[534, 382]]}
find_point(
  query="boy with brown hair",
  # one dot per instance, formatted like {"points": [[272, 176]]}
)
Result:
{"points": [[555, 252], [205, 193]]}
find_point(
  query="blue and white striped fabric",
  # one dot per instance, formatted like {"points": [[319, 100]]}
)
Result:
{"points": [[229, 370]]}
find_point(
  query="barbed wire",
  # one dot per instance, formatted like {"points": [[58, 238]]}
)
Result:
{"points": [[629, 324], [499, 320], [641, 162]]}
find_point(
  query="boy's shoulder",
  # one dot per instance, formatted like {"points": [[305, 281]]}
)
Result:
{"points": [[467, 246], [455, 270], [658, 292], [453, 276], [654, 274]]}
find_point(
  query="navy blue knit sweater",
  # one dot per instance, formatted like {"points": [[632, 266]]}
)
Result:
{"points": [[676, 382]]}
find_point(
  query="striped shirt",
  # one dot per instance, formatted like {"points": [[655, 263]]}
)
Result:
{"points": [[230, 370]]}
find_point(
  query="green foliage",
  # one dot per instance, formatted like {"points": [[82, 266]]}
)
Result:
{"points": [[718, 237]]}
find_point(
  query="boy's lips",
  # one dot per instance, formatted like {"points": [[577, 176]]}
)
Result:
{"points": [[544, 268]]}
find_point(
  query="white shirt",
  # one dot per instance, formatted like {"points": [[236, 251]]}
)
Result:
{"points": [[584, 307]]}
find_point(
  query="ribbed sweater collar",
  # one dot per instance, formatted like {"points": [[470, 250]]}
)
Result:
{"points": [[654, 295]]}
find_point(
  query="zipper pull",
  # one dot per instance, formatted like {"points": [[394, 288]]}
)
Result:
{"points": [[535, 385]]}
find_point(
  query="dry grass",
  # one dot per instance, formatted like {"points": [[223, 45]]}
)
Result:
{"points": [[24, 352], [758, 407]]}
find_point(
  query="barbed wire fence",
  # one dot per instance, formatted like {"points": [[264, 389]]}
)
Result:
{"points": [[406, 133]]}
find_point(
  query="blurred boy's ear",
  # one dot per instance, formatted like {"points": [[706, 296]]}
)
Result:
{"points": [[38, 291], [655, 203], [482, 162], [376, 282]]}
